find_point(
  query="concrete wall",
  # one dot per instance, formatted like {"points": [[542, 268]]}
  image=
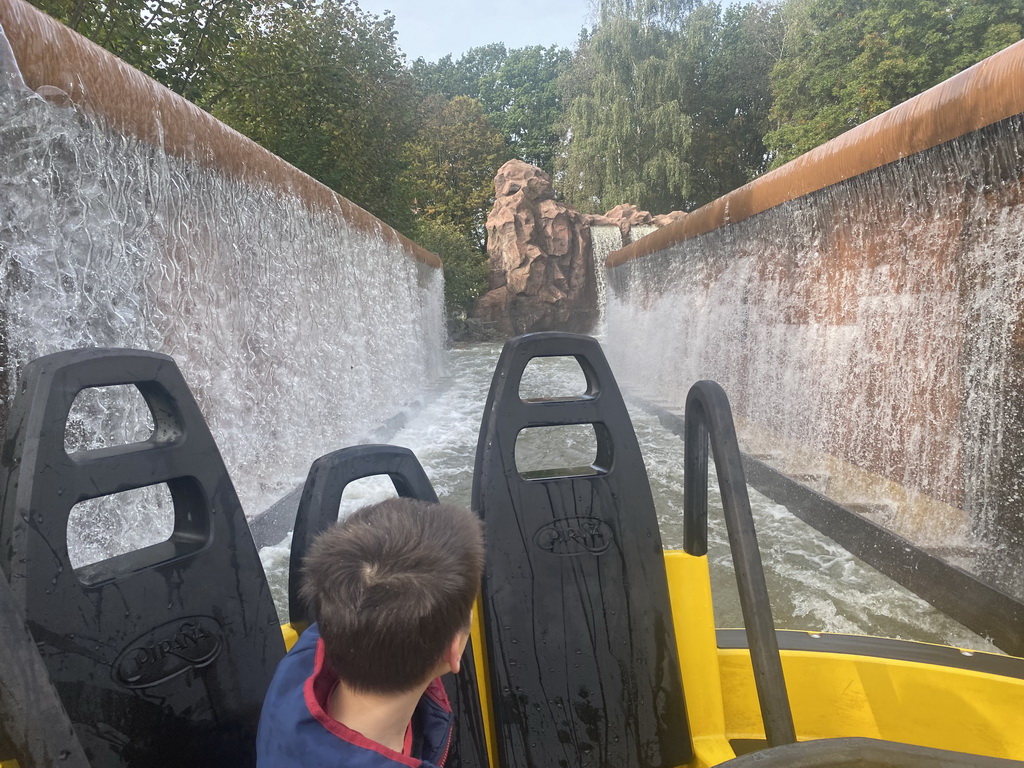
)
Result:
{"points": [[130, 218], [862, 308]]}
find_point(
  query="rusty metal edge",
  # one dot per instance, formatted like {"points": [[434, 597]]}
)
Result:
{"points": [[131, 103], [990, 91]]}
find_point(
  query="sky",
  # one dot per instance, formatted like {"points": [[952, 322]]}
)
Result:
{"points": [[434, 28]]}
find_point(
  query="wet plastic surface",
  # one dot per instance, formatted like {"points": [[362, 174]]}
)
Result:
{"points": [[579, 630], [161, 656]]}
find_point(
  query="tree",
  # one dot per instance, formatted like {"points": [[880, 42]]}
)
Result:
{"points": [[849, 60], [175, 43], [452, 162], [728, 55], [465, 265], [518, 90], [625, 122], [523, 101], [324, 87], [449, 78]]}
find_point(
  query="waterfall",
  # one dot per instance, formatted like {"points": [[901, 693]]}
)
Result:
{"points": [[297, 330], [604, 239], [869, 336]]}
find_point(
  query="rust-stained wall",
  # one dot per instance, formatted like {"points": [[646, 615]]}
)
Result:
{"points": [[862, 306], [130, 218], [52, 56]]}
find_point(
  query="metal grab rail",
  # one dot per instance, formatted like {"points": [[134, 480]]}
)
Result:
{"points": [[708, 416]]}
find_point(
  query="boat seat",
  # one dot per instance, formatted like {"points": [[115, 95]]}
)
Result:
{"points": [[318, 510], [161, 656], [579, 632]]}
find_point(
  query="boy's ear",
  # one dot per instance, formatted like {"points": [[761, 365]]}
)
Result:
{"points": [[455, 649]]}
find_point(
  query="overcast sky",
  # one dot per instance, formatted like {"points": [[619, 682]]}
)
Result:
{"points": [[433, 28]]}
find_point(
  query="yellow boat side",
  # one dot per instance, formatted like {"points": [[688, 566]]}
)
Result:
{"points": [[832, 694]]}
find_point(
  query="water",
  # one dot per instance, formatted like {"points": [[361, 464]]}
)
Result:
{"points": [[299, 332], [813, 583], [295, 329], [873, 326], [604, 240]]}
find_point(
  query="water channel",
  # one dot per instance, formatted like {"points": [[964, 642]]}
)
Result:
{"points": [[814, 584]]}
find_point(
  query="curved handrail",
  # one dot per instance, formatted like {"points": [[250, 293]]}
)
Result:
{"points": [[708, 415]]}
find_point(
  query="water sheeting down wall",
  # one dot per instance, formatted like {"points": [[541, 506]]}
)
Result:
{"points": [[869, 335], [298, 328]]}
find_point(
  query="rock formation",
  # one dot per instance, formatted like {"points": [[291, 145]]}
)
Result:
{"points": [[540, 256], [664, 219], [626, 216]]}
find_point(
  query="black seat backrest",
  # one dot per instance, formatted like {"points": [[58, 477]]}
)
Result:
{"points": [[580, 643], [161, 656], [318, 510]]}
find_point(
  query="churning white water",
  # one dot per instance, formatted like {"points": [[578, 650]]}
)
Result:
{"points": [[814, 584], [294, 329]]}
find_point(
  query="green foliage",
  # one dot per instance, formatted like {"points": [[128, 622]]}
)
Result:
{"points": [[728, 55], [518, 90], [450, 78], [849, 60], [465, 265], [665, 104], [324, 87], [625, 118], [452, 162], [175, 43], [523, 100]]}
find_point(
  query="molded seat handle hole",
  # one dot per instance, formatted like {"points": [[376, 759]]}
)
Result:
{"points": [[106, 417], [570, 450], [553, 378], [103, 528]]}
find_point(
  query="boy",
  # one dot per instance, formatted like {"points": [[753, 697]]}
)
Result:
{"points": [[392, 587]]}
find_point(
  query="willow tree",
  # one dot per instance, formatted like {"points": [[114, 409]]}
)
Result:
{"points": [[625, 125]]}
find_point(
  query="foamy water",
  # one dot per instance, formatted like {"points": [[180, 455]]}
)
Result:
{"points": [[814, 584]]}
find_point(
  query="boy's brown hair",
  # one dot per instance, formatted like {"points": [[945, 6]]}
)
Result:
{"points": [[390, 587]]}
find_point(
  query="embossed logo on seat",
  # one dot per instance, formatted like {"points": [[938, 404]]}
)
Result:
{"points": [[168, 650], [574, 536]]}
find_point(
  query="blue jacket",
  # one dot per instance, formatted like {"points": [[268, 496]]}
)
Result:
{"points": [[296, 730]]}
